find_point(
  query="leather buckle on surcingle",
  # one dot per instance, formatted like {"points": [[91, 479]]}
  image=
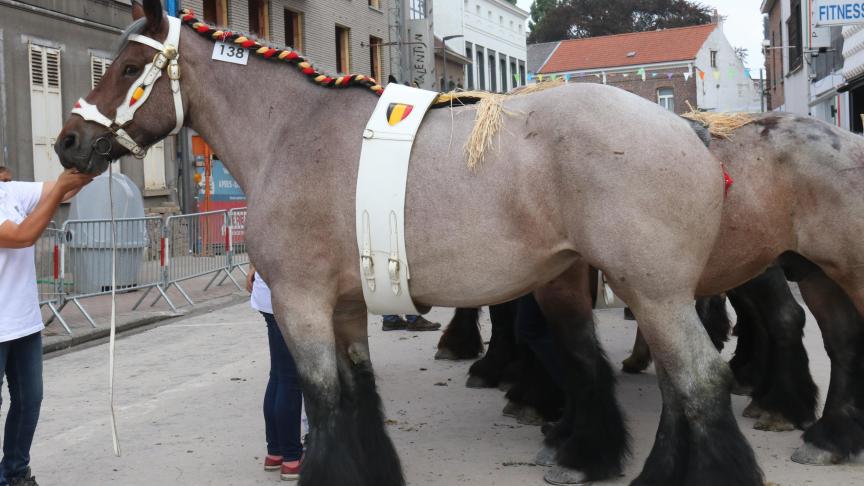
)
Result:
{"points": [[393, 269]]}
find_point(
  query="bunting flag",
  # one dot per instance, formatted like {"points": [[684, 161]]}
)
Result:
{"points": [[717, 75], [702, 75], [567, 78], [553, 77], [747, 72], [732, 72], [625, 75], [539, 78], [517, 78], [669, 75], [528, 77], [687, 76], [653, 75], [641, 72]]}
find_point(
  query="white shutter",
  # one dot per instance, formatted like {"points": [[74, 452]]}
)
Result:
{"points": [[46, 110], [154, 167], [98, 66]]}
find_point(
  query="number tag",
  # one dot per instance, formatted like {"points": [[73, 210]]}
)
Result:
{"points": [[234, 54]]}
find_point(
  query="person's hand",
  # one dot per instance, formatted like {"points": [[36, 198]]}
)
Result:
{"points": [[72, 180], [250, 277]]}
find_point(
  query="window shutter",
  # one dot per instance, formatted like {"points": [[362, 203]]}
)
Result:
{"points": [[98, 66], [46, 110]]}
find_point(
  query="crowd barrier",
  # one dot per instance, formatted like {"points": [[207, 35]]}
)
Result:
{"points": [[73, 263]]}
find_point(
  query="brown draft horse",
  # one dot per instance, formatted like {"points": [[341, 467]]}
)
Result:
{"points": [[293, 147]]}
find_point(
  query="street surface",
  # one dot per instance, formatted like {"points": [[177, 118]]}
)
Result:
{"points": [[189, 397]]}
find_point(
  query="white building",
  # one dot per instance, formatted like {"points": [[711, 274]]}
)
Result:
{"points": [[494, 40]]}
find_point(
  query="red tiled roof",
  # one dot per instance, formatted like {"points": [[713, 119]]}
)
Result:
{"points": [[611, 51]]}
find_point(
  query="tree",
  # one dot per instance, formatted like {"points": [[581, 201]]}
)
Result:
{"points": [[576, 19], [742, 53]]}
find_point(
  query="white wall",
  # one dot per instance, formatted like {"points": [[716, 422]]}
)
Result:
{"points": [[499, 27], [726, 93]]}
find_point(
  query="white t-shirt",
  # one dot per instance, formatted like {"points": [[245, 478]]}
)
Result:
{"points": [[261, 300], [19, 296]]}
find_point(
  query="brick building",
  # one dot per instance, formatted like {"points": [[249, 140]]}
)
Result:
{"points": [[670, 67], [774, 72]]}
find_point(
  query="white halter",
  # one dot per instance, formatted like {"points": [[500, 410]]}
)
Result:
{"points": [[167, 56]]}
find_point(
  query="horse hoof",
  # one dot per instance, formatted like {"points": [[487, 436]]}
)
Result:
{"points": [[529, 416], [773, 422], [478, 382], [547, 427], [634, 366], [810, 455], [511, 410], [565, 477], [444, 353], [753, 410], [545, 456]]}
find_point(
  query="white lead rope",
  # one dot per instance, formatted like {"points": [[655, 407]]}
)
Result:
{"points": [[115, 439]]}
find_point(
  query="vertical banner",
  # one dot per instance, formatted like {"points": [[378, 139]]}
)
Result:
{"points": [[421, 45]]}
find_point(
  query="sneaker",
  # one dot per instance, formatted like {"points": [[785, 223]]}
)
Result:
{"points": [[394, 325], [422, 324], [25, 480], [272, 463], [291, 470]]}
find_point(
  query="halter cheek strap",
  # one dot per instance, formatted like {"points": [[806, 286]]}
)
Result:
{"points": [[166, 59]]}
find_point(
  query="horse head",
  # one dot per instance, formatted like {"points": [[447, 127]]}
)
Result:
{"points": [[130, 109]]}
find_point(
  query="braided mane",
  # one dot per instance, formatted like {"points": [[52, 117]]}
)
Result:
{"points": [[286, 55]]}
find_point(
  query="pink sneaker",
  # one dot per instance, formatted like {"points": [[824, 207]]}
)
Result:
{"points": [[272, 463], [291, 470]]}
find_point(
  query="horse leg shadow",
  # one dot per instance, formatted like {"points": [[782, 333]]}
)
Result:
{"points": [[461, 339]]}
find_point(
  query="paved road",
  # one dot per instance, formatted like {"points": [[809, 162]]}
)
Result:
{"points": [[189, 411]]}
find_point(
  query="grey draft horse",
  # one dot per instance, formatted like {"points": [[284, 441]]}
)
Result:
{"points": [[590, 174]]}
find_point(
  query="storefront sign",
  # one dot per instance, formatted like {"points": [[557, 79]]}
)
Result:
{"points": [[838, 12]]}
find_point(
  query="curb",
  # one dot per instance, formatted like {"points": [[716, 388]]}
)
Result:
{"points": [[131, 321]]}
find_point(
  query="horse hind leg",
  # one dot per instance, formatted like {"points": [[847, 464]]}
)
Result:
{"points": [[838, 436], [698, 441], [349, 445], [461, 339], [786, 395], [496, 367]]}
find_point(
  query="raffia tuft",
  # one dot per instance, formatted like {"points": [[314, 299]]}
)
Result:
{"points": [[720, 125], [489, 117]]}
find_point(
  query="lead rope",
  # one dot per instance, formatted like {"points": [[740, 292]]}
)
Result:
{"points": [[114, 438]]}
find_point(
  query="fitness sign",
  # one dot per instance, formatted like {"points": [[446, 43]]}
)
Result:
{"points": [[838, 12]]}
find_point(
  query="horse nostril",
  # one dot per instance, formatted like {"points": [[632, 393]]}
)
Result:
{"points": [[70, 141]]}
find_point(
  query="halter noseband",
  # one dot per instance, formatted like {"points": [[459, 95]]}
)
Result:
{"points": [[166, 57]]}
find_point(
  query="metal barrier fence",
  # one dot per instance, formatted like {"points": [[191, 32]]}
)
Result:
{"points": [[74, 263], [48, 282]]}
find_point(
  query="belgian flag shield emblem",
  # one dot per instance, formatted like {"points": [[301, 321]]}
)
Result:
{"points": [[397, 112]]}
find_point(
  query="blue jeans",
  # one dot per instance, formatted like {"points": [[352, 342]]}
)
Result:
{"points": [[282, 400], [395, 318], [21, 363]]}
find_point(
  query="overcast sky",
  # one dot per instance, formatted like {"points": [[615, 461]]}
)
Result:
{"points": [[743, 26]]}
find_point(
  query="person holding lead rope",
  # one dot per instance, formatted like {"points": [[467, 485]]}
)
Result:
{"points": [[26, 209]]}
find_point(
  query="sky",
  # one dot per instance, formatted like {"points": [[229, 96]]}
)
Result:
{"points": [[743, 26]]}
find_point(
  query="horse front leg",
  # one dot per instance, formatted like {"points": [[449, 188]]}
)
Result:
{"points": [[349, 443], [838, 436], [461, 339], [698, 441]]}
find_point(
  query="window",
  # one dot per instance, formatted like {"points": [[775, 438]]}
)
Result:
{"points": [[493, 82], [713, 59], [514, 73], [375, 57], [666, 98], [259, 17], [417, 9], [501, 19], [46, 110], [469, 53], [376, 4], [216, 12], [343, 50], [294, 30], [793, 25], [502, 65], [98, 66], [511, 25], [478, 9], [522, 79], [481, 69]]}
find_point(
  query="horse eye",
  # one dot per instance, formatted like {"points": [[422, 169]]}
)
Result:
{"points": [[131, 70]]}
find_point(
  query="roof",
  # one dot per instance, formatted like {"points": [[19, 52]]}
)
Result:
{"points": [[639, 48], [538, 54], [451, 54]]}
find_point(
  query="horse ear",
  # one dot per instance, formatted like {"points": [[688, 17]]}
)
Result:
{"points": [[137, 10], [155, 15]]}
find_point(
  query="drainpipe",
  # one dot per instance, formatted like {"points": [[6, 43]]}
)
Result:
{"points": [[171, 6]]}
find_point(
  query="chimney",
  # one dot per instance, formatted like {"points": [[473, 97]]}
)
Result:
{"points": [[717, 19]]}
